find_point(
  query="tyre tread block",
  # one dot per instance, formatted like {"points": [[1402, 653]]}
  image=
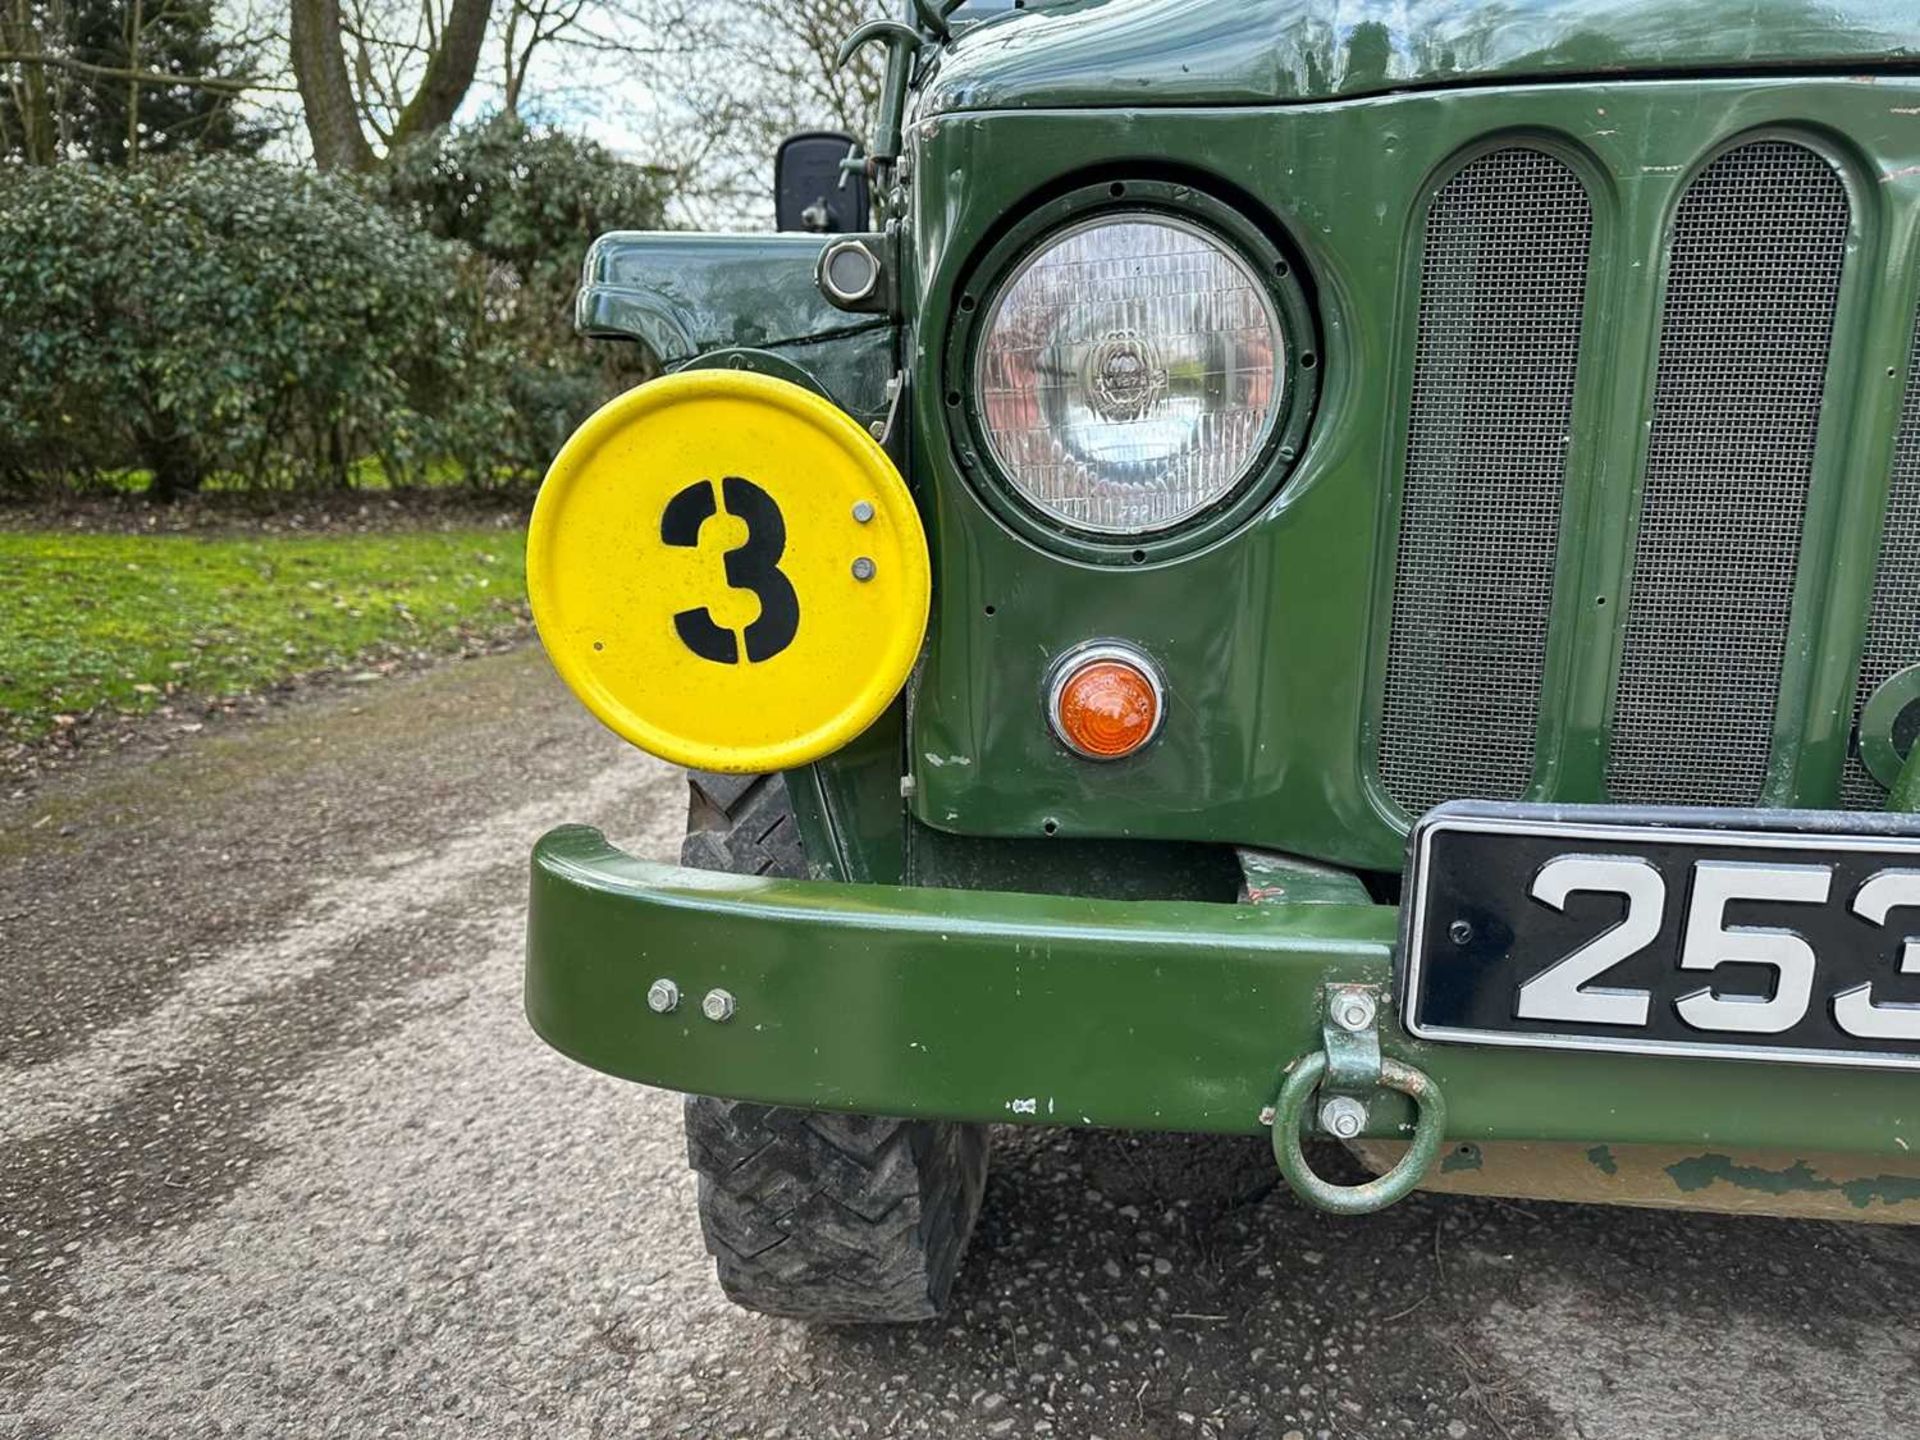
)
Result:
{"points": [[809, 1214]]}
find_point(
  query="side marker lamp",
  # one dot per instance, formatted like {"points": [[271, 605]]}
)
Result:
{"points": [[1105, 701]]}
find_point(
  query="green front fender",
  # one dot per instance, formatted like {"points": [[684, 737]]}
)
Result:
{"points": [[691, 298], [974, 1005]]}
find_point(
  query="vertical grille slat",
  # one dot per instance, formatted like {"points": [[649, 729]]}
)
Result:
{"points": [[1502, 291], [1758, 245], [1893, 624]]}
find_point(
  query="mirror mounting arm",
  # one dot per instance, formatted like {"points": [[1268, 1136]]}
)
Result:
{"points": [[903, 42]]}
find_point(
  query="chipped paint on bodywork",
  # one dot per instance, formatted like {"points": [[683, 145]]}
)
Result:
{"points": [[1748, 1182], [1704, 1170], [1269, 878]]}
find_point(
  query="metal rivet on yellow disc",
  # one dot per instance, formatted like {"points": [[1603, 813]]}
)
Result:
{"points": [[695, 565]]}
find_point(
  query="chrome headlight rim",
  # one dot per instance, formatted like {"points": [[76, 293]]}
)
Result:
{"points": [[1185, 207]]}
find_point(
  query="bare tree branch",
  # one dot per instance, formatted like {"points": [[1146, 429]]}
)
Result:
{"points": [[449, 72], [221, 84]]}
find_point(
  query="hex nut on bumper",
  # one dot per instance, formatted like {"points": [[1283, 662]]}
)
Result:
{"points": [[718, 1006], [662, 996], [1343, 1116], [1354, 1011]]}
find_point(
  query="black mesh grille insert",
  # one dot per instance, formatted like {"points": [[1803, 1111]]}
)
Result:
{"points": [[1754, 271], [1893, 627], [1502, 287]]}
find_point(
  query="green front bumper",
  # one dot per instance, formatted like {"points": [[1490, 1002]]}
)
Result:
{"points": [[978, 1005]]}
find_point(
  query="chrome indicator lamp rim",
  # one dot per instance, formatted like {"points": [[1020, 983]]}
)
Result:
{"points": [[1071, 662]]}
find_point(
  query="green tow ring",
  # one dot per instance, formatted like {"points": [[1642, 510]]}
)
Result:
{"points": [[1289, 1112]]}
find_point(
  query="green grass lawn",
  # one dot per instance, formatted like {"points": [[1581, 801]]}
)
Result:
{"points": [[124, 621]]}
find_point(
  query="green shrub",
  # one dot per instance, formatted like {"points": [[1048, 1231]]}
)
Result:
{"points": [[529, 202], [223, 314]]}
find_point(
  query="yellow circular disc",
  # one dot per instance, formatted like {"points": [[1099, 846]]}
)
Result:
{"points": [[728, 571]]}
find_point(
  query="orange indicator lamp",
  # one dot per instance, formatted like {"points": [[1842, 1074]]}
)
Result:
{"points": [[1105, 701]]}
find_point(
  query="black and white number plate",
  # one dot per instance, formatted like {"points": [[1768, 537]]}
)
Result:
{"points": [[1777, 935]]}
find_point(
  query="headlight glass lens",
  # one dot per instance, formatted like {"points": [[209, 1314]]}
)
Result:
{"points": [[1129, 373]]}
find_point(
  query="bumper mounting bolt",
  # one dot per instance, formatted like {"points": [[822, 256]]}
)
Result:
{"points": [[662, 996], [863, 568], [863, 511], [1343, 1116], [1354, 1012], [718, 1006]]}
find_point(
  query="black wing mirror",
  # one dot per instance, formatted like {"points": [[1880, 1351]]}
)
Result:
{"points": [[811, 191]]}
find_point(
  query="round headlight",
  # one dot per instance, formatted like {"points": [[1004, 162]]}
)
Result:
{"points": [[1129, 373]]}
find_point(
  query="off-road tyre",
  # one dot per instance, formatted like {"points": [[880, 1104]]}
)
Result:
{"points": [[817, 1216]]}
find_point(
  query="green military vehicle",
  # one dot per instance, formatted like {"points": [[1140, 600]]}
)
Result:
{"points": [[1310, 575]]}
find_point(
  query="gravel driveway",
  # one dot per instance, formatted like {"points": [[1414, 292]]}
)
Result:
{"points": [[279, 1156]]}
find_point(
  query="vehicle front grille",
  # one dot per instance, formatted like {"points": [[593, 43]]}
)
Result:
{"points": [[1674, 667], [1502, 288], [1753, 275], [1893, 625]]}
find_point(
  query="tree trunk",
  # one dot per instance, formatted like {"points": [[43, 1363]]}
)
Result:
{"points": [[136, 23], [32, 97], [449, 71], [174, 461], [510, 73], [338, 469], [326, 90]]}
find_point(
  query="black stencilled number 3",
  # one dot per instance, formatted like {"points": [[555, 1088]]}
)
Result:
{"points": [[753, 566]]}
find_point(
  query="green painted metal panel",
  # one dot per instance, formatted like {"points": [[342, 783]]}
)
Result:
{"points": [[1065, 1010], [1205, 52], [682, 294], [1271, 638], [852, 818]]}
